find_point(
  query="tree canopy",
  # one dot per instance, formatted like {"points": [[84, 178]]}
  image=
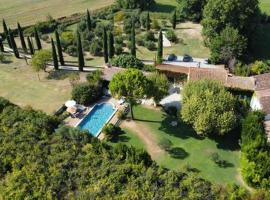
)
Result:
{"points": [[208, 107], [132, 4], [40, 60], [40, 159]]}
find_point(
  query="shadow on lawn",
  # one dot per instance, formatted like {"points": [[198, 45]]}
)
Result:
{"points": [[163, 8], [178, 152]]}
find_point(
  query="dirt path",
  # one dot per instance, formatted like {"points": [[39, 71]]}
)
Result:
{"points": [[146, 136]]}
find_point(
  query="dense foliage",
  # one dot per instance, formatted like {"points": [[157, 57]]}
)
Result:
{"points": [[86, 93], [132, 4], [208, 107], [191, 9], [255, 157], [228, 45], [127, 61], [39, 162]]}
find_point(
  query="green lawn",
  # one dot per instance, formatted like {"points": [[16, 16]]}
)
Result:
{"points": [[265, 6], [28, 12], [129, 138], [20, 85], [191, 150]]}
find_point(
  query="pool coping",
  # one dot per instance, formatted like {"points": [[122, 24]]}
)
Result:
{"points": [[109, 119]]}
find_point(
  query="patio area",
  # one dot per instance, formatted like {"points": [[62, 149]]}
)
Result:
{"points": [[74, 121]]}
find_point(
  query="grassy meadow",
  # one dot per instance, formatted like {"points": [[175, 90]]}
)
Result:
{"points": [[28, 12], [265, 6], [190, 150]]}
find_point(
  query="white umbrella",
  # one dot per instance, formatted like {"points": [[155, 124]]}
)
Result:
{"points": [[70, 103]]}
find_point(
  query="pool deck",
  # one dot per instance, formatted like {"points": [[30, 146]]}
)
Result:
{"points": [[75, 121]]}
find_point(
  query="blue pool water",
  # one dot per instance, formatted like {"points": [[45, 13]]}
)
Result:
{"points": [[97, 118]]}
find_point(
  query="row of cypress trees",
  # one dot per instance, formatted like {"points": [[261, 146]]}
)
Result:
{"points": [[9, 36]]}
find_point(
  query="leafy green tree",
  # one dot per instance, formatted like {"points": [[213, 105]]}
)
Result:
{"points": [[80, 52], [111, 45], [208, 107], [131, 84], [259, 67], [89, 21], [174, 20], [127, 61], [13, 44], [95, 78], [38, 43], [239, 14], [20, 31], [59, 48], [160, 48], [85, 93], [6, 34], [40, 60], [228, 45], [30, 46], [133, 4], [105, 46], [54, 56], [133, 40], [158, 87], [192, 9]]}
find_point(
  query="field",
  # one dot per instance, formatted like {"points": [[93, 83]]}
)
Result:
{"points": [[28, 12], [21, 86], [189, 149]]}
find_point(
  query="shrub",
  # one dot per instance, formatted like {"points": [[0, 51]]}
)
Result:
{"points": [[127, 61], [67, 38], [118, 49], [72, 51], [45, 38], [150, 45], [242, 70], [111, 131], [149, 68], [119, 16], [94, 78], [170, 34], [260, 67], [96, 48], [140, 41], [150, 36], [165, 144], [155, 25], [86, 93], [121, 115]]}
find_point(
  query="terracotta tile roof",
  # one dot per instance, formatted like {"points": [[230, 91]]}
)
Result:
{"points": [[262, 82], [246, 83]]}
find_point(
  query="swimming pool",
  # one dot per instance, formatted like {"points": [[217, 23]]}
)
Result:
{"points": [[97, 118]]}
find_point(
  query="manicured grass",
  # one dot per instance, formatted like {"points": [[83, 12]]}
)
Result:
{"points": [[191, 150], [163, 8], [265, 6], [28, 12], [130, 139], [20, 85]]}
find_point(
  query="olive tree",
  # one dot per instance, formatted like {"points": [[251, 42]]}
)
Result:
{"points": [[40, 60], [131, 84]]}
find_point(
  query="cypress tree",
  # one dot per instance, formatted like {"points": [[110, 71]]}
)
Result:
{"points": [[38, 43], [133, 40], [148, 23], [1, 45], [22, 38], [80, 52], [30, 46], [160, 48], [173, 20], [54, 56], [6, 34], [111, 45], [105, 46], [13, 44], [89, 21], [59, 48]]}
